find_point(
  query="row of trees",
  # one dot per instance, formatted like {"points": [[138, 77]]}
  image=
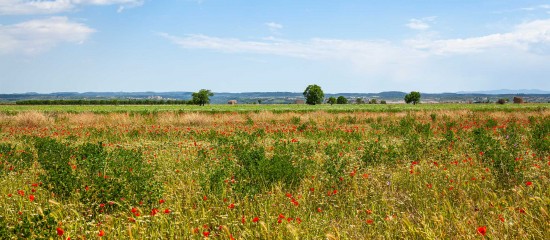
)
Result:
{"points": [[314, 95], [101, 102]]}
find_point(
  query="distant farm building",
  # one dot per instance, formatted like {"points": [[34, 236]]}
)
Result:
{"points": [[299, 102], [232, 102]]}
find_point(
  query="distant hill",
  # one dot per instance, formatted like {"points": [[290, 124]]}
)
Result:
{"points": [[507, 91], [532, 95]]}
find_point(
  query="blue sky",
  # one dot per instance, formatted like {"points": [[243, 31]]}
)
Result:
{"points": [[244, 46]]}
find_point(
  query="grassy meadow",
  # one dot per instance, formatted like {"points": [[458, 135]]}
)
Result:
{"points": [[431, 171]]}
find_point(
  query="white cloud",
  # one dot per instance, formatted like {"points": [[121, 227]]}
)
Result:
{"points": [[372, 56], [36, 36], [539, 7], [420, 24], [28, 7], [524, 37], [274, 27], [426, 60], [417, 24]]}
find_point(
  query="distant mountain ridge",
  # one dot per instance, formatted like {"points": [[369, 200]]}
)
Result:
{"points": [[529, 95], [507, 91]]}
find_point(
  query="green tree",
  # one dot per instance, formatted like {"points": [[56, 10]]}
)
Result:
{"points": [[314, 95], [331, 100], [202, 97], [342, 100], [413, 97]]}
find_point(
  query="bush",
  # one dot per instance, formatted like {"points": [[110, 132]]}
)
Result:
{"points": [[342, 100], [502, 101], [518, 100], [97, 175]]}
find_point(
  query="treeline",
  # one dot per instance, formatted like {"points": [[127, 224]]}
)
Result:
{"points": [[103, 102]]}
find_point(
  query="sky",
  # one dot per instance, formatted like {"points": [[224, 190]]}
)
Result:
{"points": [[280, 45]]}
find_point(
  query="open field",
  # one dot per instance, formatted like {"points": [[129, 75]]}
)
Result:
{"points": [[442, 171], [277, 108]]}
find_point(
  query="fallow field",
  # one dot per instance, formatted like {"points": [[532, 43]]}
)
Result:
{"points": [[275, 172]]}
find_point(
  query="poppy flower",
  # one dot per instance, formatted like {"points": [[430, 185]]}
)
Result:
{"points": [[231, 206], [482, 230], [256, 219], [60, 231], [529, 183], [101, 233], [31, 198], [161, 201], [370, 221], [206, 233], [154, 211], [167, 211]]}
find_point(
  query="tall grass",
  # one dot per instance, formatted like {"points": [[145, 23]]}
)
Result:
{"points": [[429, 174]]}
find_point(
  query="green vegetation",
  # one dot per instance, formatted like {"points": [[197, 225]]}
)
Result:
{"points": [[331, 100], [310, 173], [314, 95], [202, 97], [342, 100], [103, 102], [277, 108], [413, 97]]}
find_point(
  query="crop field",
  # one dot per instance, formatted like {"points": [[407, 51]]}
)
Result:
{"points": [[275, 172], [276, 108]]}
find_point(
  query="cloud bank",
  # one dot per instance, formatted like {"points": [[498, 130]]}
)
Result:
{"points": [[39, 35], [26, 7]]}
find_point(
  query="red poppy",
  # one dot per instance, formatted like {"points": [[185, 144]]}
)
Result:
{"points": [[370, 221], [231, 206], [154, 211], [161, 201], [243, 220], [101, 233], [204, 198], [319, 210], [482, 230], [167, 211], [206, 233], [529, 183], [60, 231], [256, 219], [31, 198]]}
